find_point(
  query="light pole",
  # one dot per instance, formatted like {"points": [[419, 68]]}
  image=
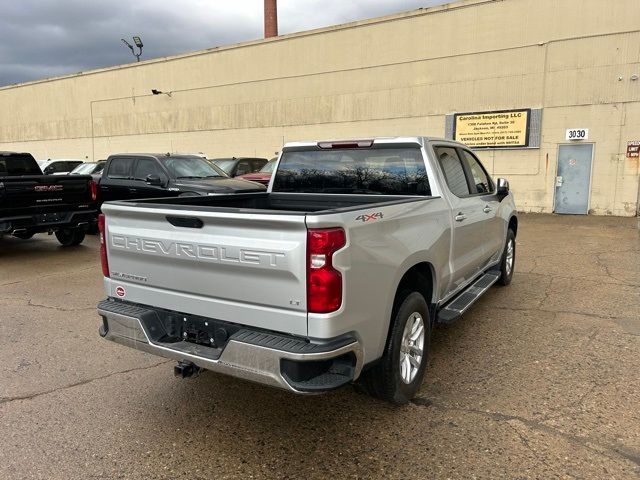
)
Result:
{"points": [[138, 43]]}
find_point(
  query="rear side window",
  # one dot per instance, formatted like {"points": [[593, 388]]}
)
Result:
{"points": [[119, 168], [18, 165], [480, 178], [385, 171], [451, 166]]}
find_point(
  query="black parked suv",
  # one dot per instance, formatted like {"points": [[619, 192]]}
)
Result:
{"points": [[148, 175]]}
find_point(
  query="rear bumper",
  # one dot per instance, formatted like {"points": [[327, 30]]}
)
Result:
{"points": [[44, 222], [277, 360]]}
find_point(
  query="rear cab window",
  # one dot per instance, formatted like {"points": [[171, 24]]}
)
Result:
{"points": [[18, 164], [383, 171]]}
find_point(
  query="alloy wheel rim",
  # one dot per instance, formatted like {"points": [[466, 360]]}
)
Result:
{"points": [[412, 347], [509, 262]]}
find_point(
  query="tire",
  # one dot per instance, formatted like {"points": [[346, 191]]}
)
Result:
{"points": [[69, 237], [508, 262], [389, 380], [24, 235]]}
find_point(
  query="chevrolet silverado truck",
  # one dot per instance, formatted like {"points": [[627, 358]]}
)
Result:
{"points": [[335, 274], [31, 202]]}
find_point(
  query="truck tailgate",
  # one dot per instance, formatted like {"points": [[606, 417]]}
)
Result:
{"points": [[244, 268], [42, 193]]}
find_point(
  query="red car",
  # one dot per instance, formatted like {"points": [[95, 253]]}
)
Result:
{"points": [[263, 175]]}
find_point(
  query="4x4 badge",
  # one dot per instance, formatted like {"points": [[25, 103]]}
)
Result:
{"points": [[369, 216]]}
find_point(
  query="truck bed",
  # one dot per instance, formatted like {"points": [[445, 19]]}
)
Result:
{"points": [[276, 203]]}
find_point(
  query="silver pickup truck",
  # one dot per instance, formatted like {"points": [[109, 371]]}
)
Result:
{"points": [[336, 274]]}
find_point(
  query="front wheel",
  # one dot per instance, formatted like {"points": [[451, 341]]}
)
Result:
{"points": [[70, 236], [398, 375], [508, 262]]}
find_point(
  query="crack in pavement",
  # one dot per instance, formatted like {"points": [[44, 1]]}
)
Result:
{"points": [[56, 274], [573, 312], [58, 309], [5, 400], [609, 450], [525, 442]]}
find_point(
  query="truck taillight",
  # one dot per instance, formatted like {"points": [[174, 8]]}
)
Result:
{"points": [[93, 189], [102, 228], [324, 283]]}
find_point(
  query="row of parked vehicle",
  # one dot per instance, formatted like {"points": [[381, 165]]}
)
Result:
{"points": [[253, 169], [64, 196]]}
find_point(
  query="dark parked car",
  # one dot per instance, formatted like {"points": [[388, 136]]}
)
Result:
{"points": [[147, 175], [240, 165], [263, 175], [31, 202]]}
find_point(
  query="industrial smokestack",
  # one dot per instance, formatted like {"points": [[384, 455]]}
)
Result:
{"points": [[270, 18]]}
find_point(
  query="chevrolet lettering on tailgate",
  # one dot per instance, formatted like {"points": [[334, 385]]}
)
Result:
{"points": [[197, 251]]}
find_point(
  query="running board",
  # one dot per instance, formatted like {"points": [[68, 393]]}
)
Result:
{"points": [[456, 307]]}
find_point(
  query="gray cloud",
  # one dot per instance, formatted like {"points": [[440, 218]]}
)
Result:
{"points": [[45, 38]]}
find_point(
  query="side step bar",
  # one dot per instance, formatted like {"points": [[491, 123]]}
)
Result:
{"points": [[460, 304]]}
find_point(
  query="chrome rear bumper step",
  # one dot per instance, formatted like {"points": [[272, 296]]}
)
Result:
{"points": [[291, 363]]}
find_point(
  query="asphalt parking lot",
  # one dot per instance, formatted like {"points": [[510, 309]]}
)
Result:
{"points": [[538, 380]]}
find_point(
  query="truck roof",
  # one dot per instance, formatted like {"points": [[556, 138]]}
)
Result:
{"points": [[157, 155], [6, 153], [376, 141]]}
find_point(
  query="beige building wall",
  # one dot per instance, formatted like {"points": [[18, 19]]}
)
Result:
{"points": [[397, 75]]}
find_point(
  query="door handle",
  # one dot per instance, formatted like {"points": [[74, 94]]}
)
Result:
{"points": [[133, 190], [487, 209], [460, 217]]}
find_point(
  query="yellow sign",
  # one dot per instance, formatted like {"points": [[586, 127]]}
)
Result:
{"points": [[503, 129]]}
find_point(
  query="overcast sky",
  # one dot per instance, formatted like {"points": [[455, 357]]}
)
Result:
{"points": [[46, 38]]}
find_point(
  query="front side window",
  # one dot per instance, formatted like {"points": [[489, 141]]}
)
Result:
{"points": [[481, 180], [451, 166], [257, 164], [60, 167], [146, 167], [243, 167], [384, 171]]}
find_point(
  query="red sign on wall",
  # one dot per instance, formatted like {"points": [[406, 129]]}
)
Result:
{"points": [[633, 149]]}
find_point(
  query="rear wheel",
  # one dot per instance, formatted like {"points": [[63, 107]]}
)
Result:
{"points": [[398, 375], [70, 236], [508, 263]]}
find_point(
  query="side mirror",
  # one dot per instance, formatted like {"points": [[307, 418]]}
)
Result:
{"points": [[48, 170], [503, 187], [154, 180]]}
